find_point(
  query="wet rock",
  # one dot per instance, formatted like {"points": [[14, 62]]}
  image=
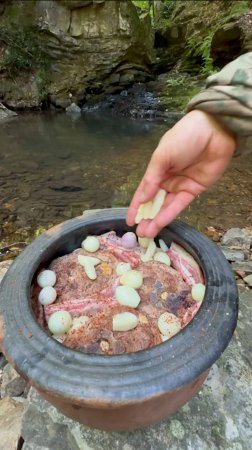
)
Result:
{"points": [[3, 362], [233, 255], [248, 280], [74, 4], [6, 113], [4, 266], [85, 44], [241, 286], [245, 266], [248, 230], [39, 417], [13, 385], [11, 412], [62, 187], [236, 237], [73, 109]]}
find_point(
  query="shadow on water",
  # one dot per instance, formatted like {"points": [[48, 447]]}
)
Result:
{"points": [[54, 166]]}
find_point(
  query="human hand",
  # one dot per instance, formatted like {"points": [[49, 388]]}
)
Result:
{"points": [[189, 158]]}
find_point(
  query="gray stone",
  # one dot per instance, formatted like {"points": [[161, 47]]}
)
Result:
{"points": [[3, 362], [73, 109], [248, 232], [245, 266], [4, 266], [6, 113], [31, 447], [12, 384], [73, 4], [241, 286], [248, 280], [11, 412], [233, 255], [85, 44], [236, 238]]}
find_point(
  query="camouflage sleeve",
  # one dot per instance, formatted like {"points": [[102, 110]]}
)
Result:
{"points": [[228, 96]]}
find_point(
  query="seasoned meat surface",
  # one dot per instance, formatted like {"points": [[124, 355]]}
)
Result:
{"points": [[72, 281], [164, 289]]}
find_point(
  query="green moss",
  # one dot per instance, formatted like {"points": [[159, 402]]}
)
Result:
{"points": [[180, 89], [201, 48], [25, 52], [200, 21]]}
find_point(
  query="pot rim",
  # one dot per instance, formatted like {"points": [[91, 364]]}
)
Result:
{"points": [[118, 379]]}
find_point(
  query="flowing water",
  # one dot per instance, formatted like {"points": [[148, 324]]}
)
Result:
{"points": [[54, 166]]}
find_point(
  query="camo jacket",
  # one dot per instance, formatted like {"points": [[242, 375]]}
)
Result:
{"points": [[228, 96]]}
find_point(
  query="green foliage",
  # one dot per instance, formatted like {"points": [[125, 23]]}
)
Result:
{"points": [[176, 82], [25, 52], [143, 4], [239, 7], [198, 46], [169, 7]]}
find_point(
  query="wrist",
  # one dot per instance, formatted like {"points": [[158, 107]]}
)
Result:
{"points": [[218, 129]]}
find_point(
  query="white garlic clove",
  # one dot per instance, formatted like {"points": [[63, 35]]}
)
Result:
{"points": [[147, 208], [46, 278], [91, 244], [148, 255], [139, 215], [82, 259], [132, 278], [89, 263], [157, 203], [163, 258], [163, 245], [122, 268], [144, 241], [169, 324], [90, 270], [124, 321], [127, 296], [164, 338], [198, 292], [47, 295], [60, 322]]}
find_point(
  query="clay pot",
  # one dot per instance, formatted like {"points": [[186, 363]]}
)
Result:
{"points": [[125, 391]]}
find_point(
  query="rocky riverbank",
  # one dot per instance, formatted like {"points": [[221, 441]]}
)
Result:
{"points": [[218, 417], [55, 52]]}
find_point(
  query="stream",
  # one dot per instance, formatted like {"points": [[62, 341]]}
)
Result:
{"points": [[54, 166]]}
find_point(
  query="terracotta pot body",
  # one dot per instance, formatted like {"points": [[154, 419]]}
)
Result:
{"points": [[125, 391]]}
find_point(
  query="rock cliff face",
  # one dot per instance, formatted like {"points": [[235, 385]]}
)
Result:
{"points": [[63, 51]]}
